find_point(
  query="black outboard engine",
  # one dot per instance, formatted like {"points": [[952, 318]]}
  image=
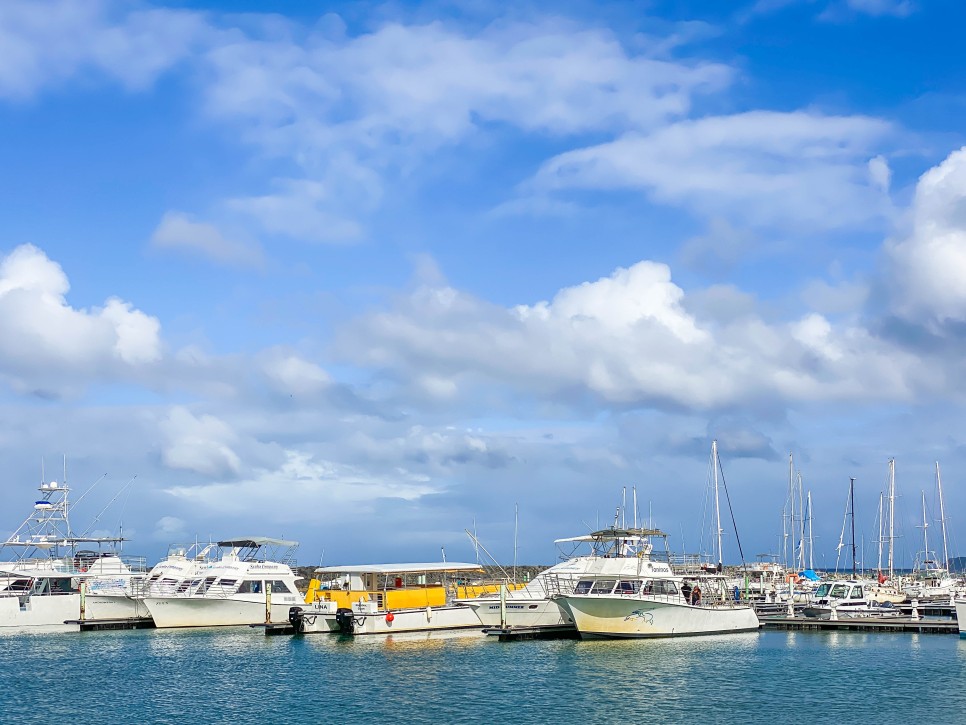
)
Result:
{"points": [[296, 619], [345, 620]]}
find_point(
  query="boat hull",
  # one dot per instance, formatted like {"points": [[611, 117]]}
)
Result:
{"points": [[961, 616], [210, 612], [424, 619], [529, 612], [623, 617], [52, 611]]}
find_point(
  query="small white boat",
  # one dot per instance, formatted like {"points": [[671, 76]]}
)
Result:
{"points": [[252, 583], [614, 552], [386, 599], [641, 607], [848, 599]]}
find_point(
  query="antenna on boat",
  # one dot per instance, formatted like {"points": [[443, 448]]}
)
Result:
{"points": [[443, 550], [516, 530], [635, 506], [476, 542]]}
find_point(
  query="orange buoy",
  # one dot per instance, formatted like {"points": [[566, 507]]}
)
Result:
{"points": [[389, 617]]}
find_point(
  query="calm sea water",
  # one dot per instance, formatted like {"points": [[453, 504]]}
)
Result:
{"points": [[241, 676]]}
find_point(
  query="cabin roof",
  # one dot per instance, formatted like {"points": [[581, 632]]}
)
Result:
{"points": [[253, 541], [613, 535], [442, 566]]}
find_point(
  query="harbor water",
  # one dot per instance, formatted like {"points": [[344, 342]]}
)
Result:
{"points": [[237, 675]]}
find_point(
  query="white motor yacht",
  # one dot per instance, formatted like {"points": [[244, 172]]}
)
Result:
{"points": [[614, 553], [253, 582], [650, 606], [848, 599], [45, 581]]}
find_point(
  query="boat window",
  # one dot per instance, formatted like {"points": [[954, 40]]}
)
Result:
{"points": [[856, 592], [822, 590], [280, 587], [663, 587], [227, 582], [250, 587], [206, 584], [603, 586], [839, 591], [583, 587], [629, 586]]}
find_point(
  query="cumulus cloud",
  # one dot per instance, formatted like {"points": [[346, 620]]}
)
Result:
{"points": [[178, 231], [928, 267], [290, 374], [630, 339], [203, 444], [763, 168], [52, 348]]}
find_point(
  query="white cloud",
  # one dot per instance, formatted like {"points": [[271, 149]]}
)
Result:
{"points": [[928, 267], [170, 529], [631, 339], [899, 8], [291, 374], [49, 42], [203, 444], [50, 347], [765, 168], [305, 488], [879, 173], [178, 231]]}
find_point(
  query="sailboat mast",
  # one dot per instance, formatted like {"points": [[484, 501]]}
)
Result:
{"points": [[790, 531], [892, 515], [811, 539], [925, 530], [879, 567], [717, 504], [942, 518], [852, 509]]}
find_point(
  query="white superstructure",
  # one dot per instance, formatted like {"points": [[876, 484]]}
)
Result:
{"points": [[45, 574], [614, 552], [253, 582]]}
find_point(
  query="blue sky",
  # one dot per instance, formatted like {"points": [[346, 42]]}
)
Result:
{"points": [[366, 274]]}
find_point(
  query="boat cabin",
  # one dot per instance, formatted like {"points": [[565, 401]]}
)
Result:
{"points": [[389, 586]]}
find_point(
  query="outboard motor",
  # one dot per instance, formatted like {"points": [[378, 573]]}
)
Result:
{"points": [[345, 619], [296, 619]]}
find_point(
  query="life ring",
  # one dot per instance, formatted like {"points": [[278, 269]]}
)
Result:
{"points": [[390, 617]]}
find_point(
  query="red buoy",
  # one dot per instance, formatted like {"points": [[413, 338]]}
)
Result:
{"points": [[389, 617]]}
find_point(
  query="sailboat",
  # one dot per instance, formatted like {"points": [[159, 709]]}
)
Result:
{"points": [[932, 579]]}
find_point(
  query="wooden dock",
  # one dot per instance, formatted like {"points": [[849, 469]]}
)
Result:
{"points": [[102, 625], [863, 624]]}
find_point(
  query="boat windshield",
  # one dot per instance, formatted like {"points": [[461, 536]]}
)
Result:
{"points": [[822, 590], [839, 591]]}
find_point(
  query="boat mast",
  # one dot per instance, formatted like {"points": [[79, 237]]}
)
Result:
{"points": [[717, 504], [925, 531], [892, 515], [789, 524], [879, 567], [801, 518], [942, 518], [811, 539], [852, 509]]}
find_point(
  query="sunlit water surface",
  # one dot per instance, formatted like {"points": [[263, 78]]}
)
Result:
{"points": [[238, 675]]}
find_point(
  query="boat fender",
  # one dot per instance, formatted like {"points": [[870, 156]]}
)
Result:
{"points": [[390, 617]]}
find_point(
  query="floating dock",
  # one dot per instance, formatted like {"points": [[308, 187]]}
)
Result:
{"points": [[275, 628], [864, 624], [513, 634], [100, 625]]}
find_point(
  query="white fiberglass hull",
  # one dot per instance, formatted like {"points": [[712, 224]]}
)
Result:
{"points": [[52, 611], [520, 612], [961, 616], [623, 617], [425, 619], [210, 612]]}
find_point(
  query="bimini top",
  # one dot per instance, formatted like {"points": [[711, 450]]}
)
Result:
{"points": [[255, 541], [609, 534], [440, 566]]}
